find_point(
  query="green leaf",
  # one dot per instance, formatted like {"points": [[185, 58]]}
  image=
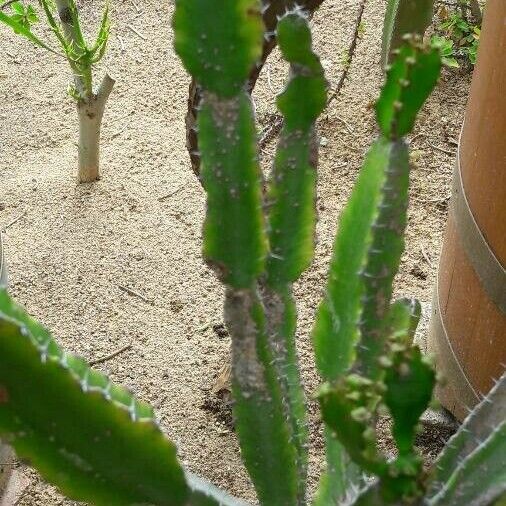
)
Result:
{"points": [[18, 7], [25, 32], [98, 50], [31, 15], [450, 62], [218, 42], [410, 80], [90, 438]]}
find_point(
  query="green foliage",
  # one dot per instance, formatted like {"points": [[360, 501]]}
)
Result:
{"points": [[446, 49], [456, 37], [80, 55], [25, 16]]}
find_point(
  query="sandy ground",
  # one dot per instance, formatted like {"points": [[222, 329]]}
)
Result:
{"points": [[75, 246]]}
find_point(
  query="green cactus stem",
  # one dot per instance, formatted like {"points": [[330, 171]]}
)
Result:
{"points": [[336, 332], [383, 259], [348, 408], [489, 414], [351, 322], [291, 195], [219, 52], [84, 434], [409, 380], [402, 17], [281, 322], [291, 215], [481, 477], [410, 79], [259, 411], [234, 238]]}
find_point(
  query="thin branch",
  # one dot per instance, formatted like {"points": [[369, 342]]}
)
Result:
{"points": [[6, 4], [171, 194], [12, 222], [134, 293], [351, 53], [445, 151], [105, 89], [111, 355], [139, 34]]}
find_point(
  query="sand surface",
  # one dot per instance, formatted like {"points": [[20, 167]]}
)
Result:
{"points": [[76, 248]]}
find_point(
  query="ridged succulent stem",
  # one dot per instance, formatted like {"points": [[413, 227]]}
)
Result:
{"points": [[383, 260], [259, 408], [281, 321]]}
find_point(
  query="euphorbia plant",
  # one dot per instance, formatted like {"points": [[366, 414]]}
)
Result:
{"points": [[62, 17], [99, 444]]}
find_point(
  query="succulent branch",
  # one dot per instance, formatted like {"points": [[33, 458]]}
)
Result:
{"points": [[356, 327], [102, 438], [271, 12], [479, 437], [404, 17]]}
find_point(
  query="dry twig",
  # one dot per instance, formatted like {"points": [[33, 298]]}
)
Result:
{"points": [[139, 34], [134, 293], [446, 151], [350, 54], [15, 220], [111, 355]]}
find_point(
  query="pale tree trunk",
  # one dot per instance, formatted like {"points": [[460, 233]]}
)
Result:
{"points": [[90, 113], [6, 459], [90, 105]]}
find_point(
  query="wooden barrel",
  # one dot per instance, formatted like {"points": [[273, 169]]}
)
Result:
{"points": [[468, 326]]}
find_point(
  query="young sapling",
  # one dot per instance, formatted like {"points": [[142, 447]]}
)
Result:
{"points": [[63, 18]]}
